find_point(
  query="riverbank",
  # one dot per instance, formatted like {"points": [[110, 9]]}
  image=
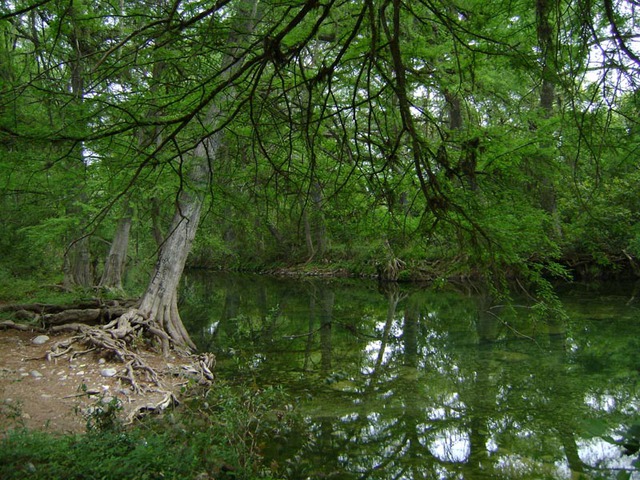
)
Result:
{"points": [[60, 395]]}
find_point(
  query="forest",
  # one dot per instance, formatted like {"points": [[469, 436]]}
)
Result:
{"points": [[450, 142], [428, 140]]}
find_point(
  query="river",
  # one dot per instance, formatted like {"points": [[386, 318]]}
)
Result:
{"points": [[406, 382]]}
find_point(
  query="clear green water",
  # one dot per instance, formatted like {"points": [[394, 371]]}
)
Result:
{"points": [[412, 383]]}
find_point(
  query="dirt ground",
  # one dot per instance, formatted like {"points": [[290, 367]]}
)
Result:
{"points": [[49, 395]]}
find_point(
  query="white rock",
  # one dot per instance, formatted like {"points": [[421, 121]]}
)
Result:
{"points": [[40, 339], [108, 372], [35, 374]]}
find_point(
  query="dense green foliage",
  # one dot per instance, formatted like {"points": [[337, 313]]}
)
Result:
{"points": [[428, 139]]}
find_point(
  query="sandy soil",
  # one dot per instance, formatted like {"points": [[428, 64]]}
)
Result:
{"points": [[48, 395]]}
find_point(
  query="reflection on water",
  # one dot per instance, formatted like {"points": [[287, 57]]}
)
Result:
{"points": [[410, 383]]}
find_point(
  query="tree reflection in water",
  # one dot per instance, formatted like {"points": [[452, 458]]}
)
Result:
{"points": [[412, 383]]}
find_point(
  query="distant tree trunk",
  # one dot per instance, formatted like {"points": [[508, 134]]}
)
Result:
{"points": [[308, 236], [318, 221], [544, 9], [467, 165], [455, 110], [158, 236], [77, 266], [229, 234], [117, 257], [315, 230]]}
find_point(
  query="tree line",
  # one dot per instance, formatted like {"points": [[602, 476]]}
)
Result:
{"points": [[413, 139]]}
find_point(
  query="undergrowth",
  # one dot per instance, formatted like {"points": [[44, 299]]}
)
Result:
{"points": [[215, 435]]}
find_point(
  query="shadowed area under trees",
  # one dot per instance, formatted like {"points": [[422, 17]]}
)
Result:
{"points": [[425, 140]]}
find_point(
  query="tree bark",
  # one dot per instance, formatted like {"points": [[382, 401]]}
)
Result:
{"points": [[308, 237], [117, 257], [156, 229], [77, 264], [544, 9], [318, 221], [160, 301]]}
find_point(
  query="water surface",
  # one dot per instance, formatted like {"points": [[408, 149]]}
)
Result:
{"points": [[409, 383]]}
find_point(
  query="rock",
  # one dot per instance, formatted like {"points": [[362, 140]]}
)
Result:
{"points": [[108, 372], [35, 374], [102, 361], [40, 340]]}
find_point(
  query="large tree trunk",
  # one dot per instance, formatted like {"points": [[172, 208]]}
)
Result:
{"points": [[159, 304], [160, 300]]}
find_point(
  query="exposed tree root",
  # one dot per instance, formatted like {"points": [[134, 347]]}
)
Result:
{"points": [[120, 339], [90, 312], [19, 326]]}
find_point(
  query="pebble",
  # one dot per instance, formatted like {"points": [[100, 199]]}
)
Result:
{"points": [[102, 361], [108, 372], [35, 374], [40, 340]]}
